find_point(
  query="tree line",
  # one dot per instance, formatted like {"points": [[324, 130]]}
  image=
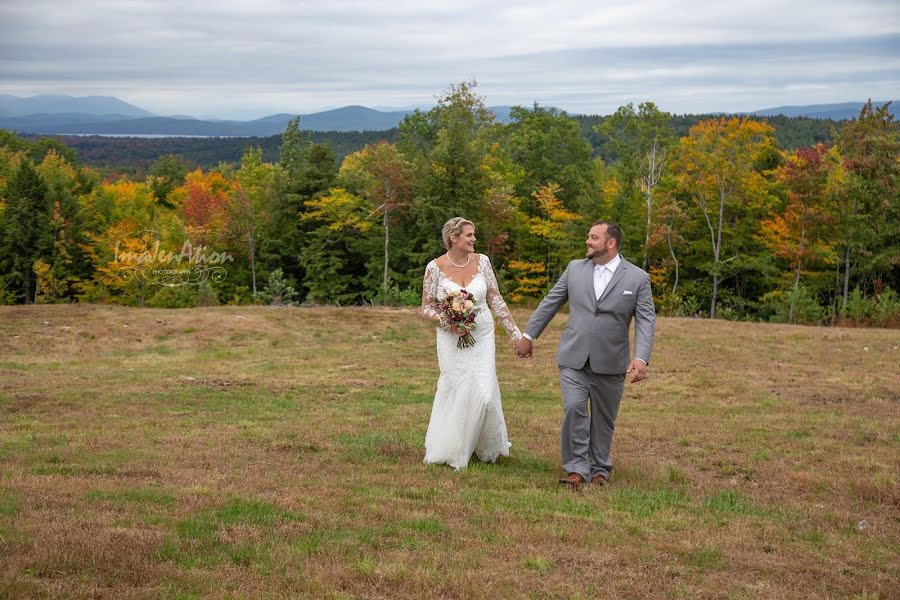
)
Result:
{"points": [[135, 156], [728, 221]]}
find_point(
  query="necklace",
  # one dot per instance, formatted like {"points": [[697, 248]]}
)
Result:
{"points": [[450, 260]]}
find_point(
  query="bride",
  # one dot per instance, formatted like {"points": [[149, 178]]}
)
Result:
{"points": [[467, 415]]}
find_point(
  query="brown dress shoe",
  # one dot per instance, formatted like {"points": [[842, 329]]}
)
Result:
{"points": [[598, 479], [573, 479]]}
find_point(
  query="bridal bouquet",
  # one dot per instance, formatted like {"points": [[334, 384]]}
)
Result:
{"points": [[458, 309]]}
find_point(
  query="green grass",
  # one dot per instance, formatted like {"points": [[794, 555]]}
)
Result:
{"points": [[246, 452], [539, 565], [208, 538], [10, 505], [128, 496], [424, 526], [730, 502], [708, 558], [645, 503], [74, 470]]}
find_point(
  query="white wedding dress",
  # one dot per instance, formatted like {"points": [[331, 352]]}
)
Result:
{"points": [[467, 415]]}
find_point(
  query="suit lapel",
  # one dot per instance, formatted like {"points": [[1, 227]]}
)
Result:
{"points": [[588, 278], [620, 272]]}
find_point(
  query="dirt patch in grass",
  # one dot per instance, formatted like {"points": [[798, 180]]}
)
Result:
{"points": [[214, 383]]}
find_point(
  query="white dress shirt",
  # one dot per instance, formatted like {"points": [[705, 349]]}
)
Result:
{"points": [[602, 275]]}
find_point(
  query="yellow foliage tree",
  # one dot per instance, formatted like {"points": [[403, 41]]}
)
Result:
{"points": [[530, 279], [339, 211], [717, 168], [127, 224]]}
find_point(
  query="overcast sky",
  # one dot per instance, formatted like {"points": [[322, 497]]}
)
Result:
{"points": [[250, 58]]}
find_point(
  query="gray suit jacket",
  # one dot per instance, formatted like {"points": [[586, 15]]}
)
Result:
{"points": [[598, 329]]}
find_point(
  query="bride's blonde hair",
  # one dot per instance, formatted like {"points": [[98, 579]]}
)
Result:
{"points": [[454, 227]]}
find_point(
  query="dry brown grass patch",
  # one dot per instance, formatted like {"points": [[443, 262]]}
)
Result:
{"points": [[257, 452]]}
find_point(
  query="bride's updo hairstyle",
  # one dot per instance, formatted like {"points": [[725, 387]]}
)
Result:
{"points": [[454, 227]]}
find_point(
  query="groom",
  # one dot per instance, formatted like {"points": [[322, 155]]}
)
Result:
{"points": [[604, 292]]}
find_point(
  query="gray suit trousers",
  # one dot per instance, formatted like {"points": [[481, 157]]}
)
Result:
{"points": [[590, 405]]}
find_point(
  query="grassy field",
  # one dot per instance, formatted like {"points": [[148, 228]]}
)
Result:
{"points": [[245, 452]]}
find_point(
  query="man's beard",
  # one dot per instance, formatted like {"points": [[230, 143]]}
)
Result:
{"points": [[596, 253]]}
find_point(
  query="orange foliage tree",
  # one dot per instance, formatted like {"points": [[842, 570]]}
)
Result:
{"points": [[799, 233], [203, 202]]}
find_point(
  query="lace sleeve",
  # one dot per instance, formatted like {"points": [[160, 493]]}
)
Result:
{"points": [[495, 300], [430, 292]]}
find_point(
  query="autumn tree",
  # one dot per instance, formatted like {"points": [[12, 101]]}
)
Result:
{"points": [[641, 139], [666, 235], [798, 232], [549, 227], [337, 252], [719, 169], [202, 201], [36, 150], [381, 175], [124, 220], [254, 191], [504, 223], [122, 262]]}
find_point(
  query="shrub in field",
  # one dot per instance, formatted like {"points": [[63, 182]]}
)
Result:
{"points": [[278, 292], [183, 296], [882, 310], [796, 305]]}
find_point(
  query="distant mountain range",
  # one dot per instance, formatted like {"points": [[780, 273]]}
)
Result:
{"points": [[107, 115], [13, 106], [837, 112], [52, 114], [351, 118]]}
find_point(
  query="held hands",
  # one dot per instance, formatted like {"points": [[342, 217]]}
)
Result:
{"points": [[637, 370], [523, 347]]}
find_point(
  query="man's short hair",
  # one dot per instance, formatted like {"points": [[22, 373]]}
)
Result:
{"points": [[613, 230]]}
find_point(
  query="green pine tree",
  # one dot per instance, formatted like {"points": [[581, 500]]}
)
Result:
{"points": [[26, 232]]}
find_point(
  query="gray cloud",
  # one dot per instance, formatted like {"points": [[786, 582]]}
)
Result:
{"points": [[243, 58]]}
